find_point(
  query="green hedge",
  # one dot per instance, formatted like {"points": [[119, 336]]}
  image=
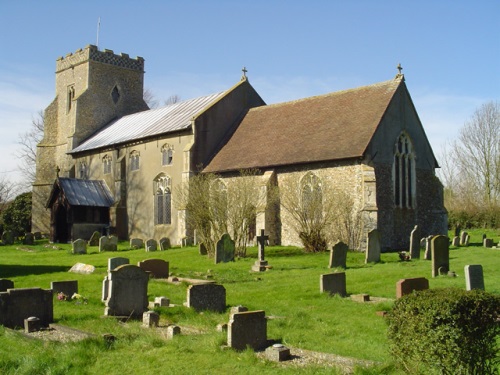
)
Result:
{"points": [[446, 331], [474, 219]]}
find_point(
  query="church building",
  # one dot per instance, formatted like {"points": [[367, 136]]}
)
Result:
{"points": [[109, 163]]}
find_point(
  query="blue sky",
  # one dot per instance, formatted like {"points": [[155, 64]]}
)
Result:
{"points": [[449, 50]]}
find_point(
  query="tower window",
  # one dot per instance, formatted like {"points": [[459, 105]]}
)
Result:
{"points": [[71, 97], [115, 94]]}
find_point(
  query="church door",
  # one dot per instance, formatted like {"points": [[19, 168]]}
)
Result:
{"points": [[61, 225]]}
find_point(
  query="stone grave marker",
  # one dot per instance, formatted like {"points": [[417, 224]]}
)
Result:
{"points": [[463, 237], [428, 252], [161, 302], [210, 297], [373, 248], [456, 241], [128, 292], [117, 262], [474, 277], [16, 305], [225, 249], [338, 255], [6, 284], [164, 243], [202, 249], [29, 239], [150, 319], [173, 330], [488, 242], [261, 264], [440, 255], [82, 268], [79, 246], [8, 237], [68, 287], [37, 235], [151, 245], [247, 328], [136, 243], [94, 239], [108, 243], [406, 286], [158, 268], [467, 240], [333, 283], [415, 243]]}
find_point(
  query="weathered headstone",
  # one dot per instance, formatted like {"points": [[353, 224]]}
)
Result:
{"points": [[373, 248], [467, 240], [6, 284], [278, 353], [83, 268], [79, 246], [428, 252], [202, 249], [488, 242], [406, 286], [455, 241], [463, 236], [8, 237], [225, 248], [136, 243], [164, 243], [161, 302], [158, 268], [457, 229], [415, 243], [173, 330], [128, 292], [150, 319], [19, 304], [151, 245], [440, 255], [117, 262], [68, 287], [474, 277], [247, 328], [333, 283], [261, 264], [338, 255], [210, 297], [108, 243], [94, 239], [28, 239]]}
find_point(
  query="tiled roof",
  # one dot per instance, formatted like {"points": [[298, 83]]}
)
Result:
{"points": [[171, 118], [334, 126], [94, 193]]}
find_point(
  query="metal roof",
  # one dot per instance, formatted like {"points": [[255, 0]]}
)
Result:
{"points": [[171, 118], [93, 193]]}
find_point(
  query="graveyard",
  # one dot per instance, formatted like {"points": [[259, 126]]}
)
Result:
{"points": [[342, 332]]}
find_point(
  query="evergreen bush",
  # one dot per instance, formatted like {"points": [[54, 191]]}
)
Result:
{"points": [[446, 331]]}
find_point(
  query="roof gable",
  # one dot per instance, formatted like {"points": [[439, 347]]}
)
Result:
{"points": [[334, 126], [93, 193]]}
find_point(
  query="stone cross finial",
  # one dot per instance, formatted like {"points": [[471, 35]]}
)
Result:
{"points": [[400, 68], [244, 76], [261, 240]]}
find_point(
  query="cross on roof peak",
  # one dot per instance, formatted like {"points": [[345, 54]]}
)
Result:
{"points": [[244, 76], [399, 68]]}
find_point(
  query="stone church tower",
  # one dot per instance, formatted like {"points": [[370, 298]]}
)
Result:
{"points": [[92, 88]]}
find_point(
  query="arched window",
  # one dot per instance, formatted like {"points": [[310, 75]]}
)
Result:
{"points": [[311, 196], [106, 164], [134, 160], [163, 199], [167, 154], [83, 170], [70, 98], [403, 172]]}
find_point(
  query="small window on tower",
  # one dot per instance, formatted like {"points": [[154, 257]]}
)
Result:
{"points": [[71, 97], [115, 95]]}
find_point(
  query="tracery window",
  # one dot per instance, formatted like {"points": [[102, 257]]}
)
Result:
{"points": [[134, 160], [163, 199], [106, 164], [167, 154], [403, 172], [82, 169], [311, 197]]}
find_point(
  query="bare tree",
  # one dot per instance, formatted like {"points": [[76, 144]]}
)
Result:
{"points": [[27, 152], [153, 102]]}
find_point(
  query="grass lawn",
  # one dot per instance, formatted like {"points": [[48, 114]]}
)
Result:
{"points": [[301, 317]]}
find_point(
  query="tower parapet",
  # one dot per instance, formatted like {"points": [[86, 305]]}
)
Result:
{"points": [[91, 52]]}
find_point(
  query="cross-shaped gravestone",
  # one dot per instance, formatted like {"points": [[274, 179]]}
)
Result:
{"points": [[261, 264]]}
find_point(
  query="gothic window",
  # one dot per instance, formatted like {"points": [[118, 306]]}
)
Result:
{"points": [[106, 163], [167, 154], [83, 170], [71, 97], [404, 173], [134, 160], [163, 199], [311, 197], [115, 94]]}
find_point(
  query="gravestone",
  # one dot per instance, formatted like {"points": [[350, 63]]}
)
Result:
{"points": [[157, 268], [406, 286], [94, 239], [428, 252], [173, 330], [136, 243], [488, 242], [29, 239], [69, 287], [150, 319], [8, 237], [117, 262], [151, 245], [415, 243], [37, 235], [161, 302], [164, 243], [224, 251], [333, 283], [82, 268], [423, 241], [16, 305], [455, 241], [210, 297], [6, 284], [474, 277], [467, 240], [463, 237], [108, 243], [79, 246], [373, 248], [247, 328], [440, 255], [338, 255], [127, 293], [457, 230], [202, 249], [261, 264]]}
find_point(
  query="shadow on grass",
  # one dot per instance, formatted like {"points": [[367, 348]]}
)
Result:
{"points": [[11, 270]]}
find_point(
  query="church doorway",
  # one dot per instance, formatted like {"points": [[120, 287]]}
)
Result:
{"points": [[61, 234]]}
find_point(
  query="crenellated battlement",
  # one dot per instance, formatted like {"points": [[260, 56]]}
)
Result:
{"points": [[91, 52]]}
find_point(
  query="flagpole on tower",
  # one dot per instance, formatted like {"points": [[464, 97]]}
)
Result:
{"points": [[98, 28]]}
